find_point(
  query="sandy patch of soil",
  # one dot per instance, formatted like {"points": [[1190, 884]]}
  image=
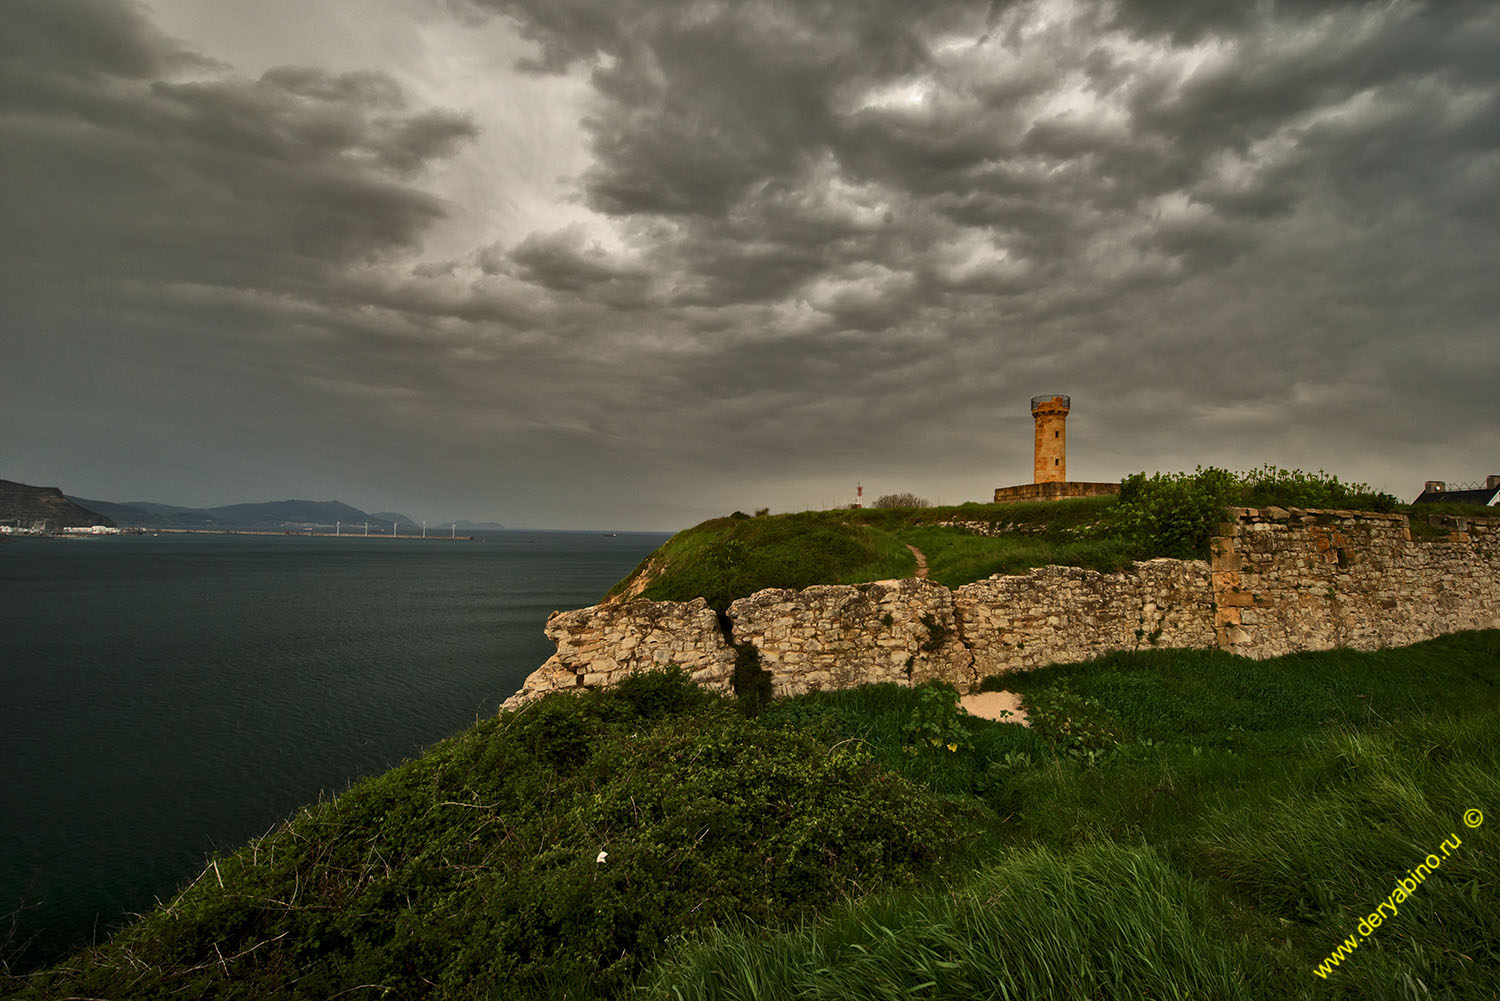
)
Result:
{"points": [[989, 705]]}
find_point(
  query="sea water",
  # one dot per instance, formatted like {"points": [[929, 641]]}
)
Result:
{"points": [[165, 697]]}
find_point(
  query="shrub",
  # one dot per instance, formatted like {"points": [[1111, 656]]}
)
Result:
{"points": [[1174, 514], [1294, 488], [901, 500], [935, 720], [752, 682]]}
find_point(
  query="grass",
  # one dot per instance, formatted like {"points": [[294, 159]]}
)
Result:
{"points": [[727, 558], [475, 871], [955, 558], [1162, 839], [1175, 824], [1119, 922]]}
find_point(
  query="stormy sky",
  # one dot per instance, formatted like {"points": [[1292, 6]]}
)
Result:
{"points": [[634, 263]]}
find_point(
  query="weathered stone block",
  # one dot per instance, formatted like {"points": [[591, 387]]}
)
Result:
{"points": [[836, 636], [597, 646]]}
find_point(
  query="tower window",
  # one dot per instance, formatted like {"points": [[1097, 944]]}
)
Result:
{"points": [[1057, 434], [1057, 462]]}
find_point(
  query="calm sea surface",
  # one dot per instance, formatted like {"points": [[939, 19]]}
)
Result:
{"points": [[163, 697]]}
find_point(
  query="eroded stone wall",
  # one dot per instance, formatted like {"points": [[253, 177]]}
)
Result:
{"points": [[600, 645], [1287, 579], [843, 635], [1279, 581], [1056, 615]]}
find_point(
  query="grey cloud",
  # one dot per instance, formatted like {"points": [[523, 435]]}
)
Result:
{"points": [[219, 180], [847, 241], [407, 145], [366, 88], [92, 39], [1197, 184], [563, 262]]}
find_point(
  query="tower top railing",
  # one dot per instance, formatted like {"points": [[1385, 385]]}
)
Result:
{"points": [[1066, 401]]}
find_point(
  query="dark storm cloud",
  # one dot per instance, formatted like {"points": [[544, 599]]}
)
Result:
{"points": [[812, 241], [116, 161], [85, 39], [1159, 192], [185, 250]]}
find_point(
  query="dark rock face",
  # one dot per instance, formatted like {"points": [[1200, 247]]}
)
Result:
{"points": [[43, 507]]}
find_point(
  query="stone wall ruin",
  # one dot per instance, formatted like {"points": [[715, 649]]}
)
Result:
{"points": [[1278, 581]]}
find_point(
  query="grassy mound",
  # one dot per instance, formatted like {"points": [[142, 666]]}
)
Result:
{"points": [[547, 853], [727, 558]]}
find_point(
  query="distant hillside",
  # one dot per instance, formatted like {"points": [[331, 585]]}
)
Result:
{"points": [[386, 517], [142, 514], [287, 513], [30, 506], [268, 515]]}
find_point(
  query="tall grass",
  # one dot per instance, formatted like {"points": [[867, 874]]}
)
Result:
{"points": [[1351, 815], [1294, 791], [1104, 921]]}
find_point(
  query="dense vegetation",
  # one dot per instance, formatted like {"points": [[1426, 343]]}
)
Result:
{"points": [[1175, 824], [1166, 514], [547, 853]]}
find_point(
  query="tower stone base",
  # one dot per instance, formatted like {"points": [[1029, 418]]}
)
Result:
{"points": [[1056, 490]]}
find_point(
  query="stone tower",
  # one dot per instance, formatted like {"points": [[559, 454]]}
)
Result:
{"points": [[1051, 416]]}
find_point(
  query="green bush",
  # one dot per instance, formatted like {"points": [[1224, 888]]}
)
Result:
{"points": [[1175, 514], [1294, 488]]}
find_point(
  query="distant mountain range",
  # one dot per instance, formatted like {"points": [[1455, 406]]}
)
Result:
{"points": [[30, 505]]}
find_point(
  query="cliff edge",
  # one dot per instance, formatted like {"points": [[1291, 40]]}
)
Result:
{"points": [[43, 507]]}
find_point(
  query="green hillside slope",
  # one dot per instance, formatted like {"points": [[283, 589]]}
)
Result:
{"points": [[1175, 824]]}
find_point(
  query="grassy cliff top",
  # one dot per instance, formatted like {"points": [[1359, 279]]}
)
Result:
{"points": [[1167, 514], [727, 558]]}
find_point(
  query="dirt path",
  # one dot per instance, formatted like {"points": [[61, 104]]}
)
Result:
{"points": [[990, 705], [921, 560]]}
